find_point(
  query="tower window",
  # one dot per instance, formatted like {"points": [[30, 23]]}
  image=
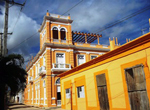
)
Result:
{"points": [[55, 33], [63, 34]]}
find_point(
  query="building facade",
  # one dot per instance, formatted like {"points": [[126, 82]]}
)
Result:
{"points": [[117, 80], [60, 51]]}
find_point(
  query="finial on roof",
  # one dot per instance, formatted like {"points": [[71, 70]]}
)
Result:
{"points": [[47, 14], [69, 16]]}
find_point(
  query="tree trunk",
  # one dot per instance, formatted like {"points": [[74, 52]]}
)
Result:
{"points": [[2, 95]]}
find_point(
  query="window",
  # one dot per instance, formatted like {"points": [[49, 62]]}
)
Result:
{"points": [[32, 72], [55, 33], [60, 60], [58, 81], [63, 34], [81, 59], [36, 70], [44, 83], [136, 86], [93, 57], [44, 61], [80, 91], [43, 34], [67, 93]]}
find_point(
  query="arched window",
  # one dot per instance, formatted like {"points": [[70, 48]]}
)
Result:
{"points": [[58, 81], [63, 34], [55, 33]]}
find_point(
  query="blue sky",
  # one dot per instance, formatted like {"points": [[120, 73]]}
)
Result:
{"points": [[88, 16]]}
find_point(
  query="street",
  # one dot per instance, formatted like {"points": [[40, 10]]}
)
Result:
{"points": [[25, 107]]}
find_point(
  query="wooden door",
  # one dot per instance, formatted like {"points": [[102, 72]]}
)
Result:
{"points": [[102, 92], [135, 79]]}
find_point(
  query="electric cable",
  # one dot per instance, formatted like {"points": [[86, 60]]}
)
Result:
{"points": [[23, 41], [122, 19], [72, 7]]}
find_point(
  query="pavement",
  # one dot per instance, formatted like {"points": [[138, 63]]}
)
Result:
{"points": [[16, 106]]}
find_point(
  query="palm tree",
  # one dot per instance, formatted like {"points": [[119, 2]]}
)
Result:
{"points": [[12, 75]]}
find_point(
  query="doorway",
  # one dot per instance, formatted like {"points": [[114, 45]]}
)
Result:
{"points": [[136, 83], [102, 92]]}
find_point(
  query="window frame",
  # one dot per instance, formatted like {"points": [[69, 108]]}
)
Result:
{"points": [[78, 59], [68, 95], [93, 55], [81, 92]]}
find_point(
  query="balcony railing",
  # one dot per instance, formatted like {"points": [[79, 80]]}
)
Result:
{"points": [[42, 70], [55, 40], [58, 102], [31, 79], [60, 67], [63, 41]]}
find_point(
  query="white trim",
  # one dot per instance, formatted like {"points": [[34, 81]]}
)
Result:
{"points": [[48, 48], [64, 28], [101, 53], [47, 21], [56, 27], [60, 53], [36, 81], [88, 52], [53, 104], [92, 55], [53, 98], [78, 60], [60, 23], [53, 49]]}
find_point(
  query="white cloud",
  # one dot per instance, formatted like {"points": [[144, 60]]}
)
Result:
{"points": [[24, 28]]}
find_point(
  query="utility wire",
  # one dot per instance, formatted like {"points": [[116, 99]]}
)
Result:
{"points": [[123, 19], [72, 7], [23, 41], [19, 15]]}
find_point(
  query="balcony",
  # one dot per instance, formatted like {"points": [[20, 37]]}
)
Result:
{"points": [[60, 67], [31, 80], [42, 71]]}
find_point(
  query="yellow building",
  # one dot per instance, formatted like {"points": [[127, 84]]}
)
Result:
{"points": [[60, 50], [117, 80]]}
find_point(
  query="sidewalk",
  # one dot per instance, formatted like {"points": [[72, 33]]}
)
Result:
{"points": [[16, 106]]}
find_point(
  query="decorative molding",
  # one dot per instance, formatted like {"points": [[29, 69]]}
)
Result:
{"points": [[88, 52], [53, 49], [60, 23], [47, 20], [53, 75], [53, 98], [48, 48]]}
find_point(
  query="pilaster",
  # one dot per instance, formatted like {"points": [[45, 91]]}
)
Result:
{"points": [[69, 34], [72, 59], [48, 31], [48, 78]]}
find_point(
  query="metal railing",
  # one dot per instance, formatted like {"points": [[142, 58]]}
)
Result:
{"points": [[58, 102], [61, 65], [63, 41], [31, 79], [55, 40], [42, 70]]}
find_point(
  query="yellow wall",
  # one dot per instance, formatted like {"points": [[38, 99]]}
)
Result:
{"points": [[116, 85]]}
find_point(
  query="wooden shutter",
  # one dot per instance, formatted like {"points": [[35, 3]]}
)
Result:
{"points": [[102, 92], [136, 83]]}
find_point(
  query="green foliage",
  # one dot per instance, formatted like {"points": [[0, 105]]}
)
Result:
{"points": [[12, 73]]}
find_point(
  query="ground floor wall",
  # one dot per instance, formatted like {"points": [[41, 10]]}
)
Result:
{"points": [[80, 89], [42, 92]]}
